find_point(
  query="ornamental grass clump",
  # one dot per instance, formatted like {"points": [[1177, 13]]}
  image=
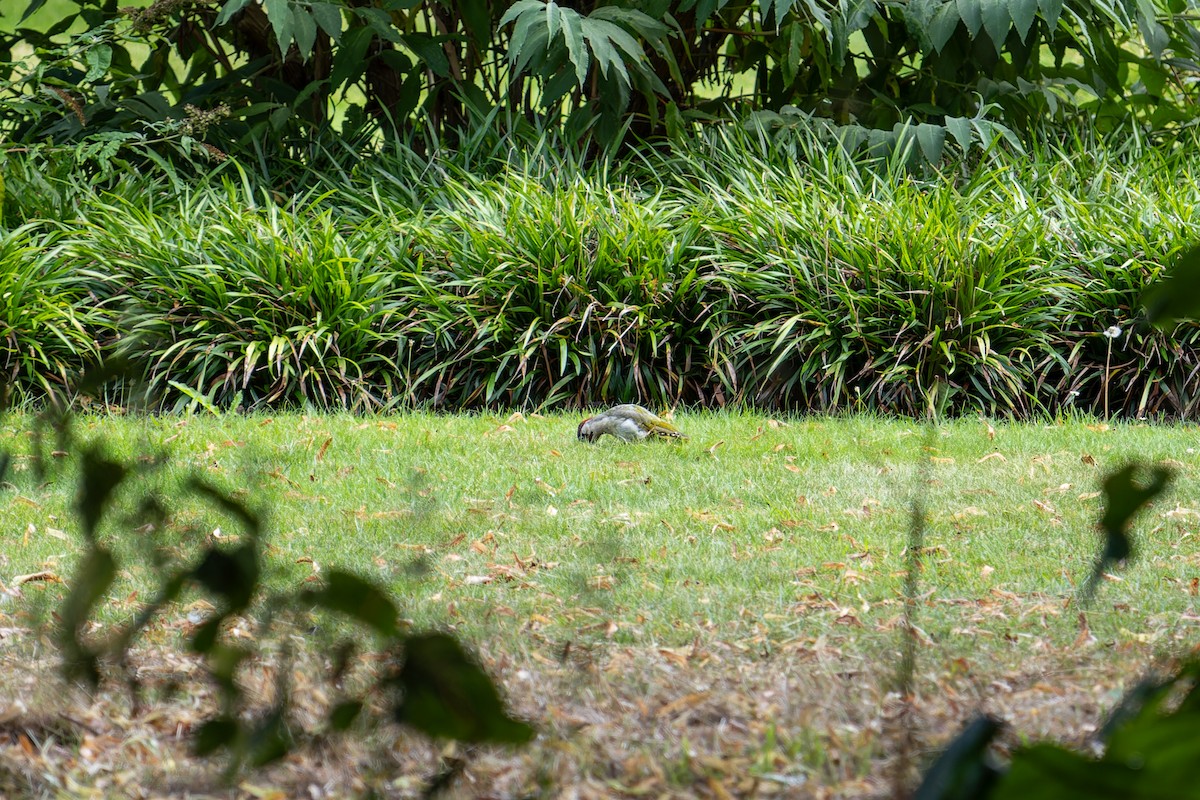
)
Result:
{"points": [[230, 300]]}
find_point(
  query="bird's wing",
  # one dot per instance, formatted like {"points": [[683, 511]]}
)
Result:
{"points": [[660, 427]]}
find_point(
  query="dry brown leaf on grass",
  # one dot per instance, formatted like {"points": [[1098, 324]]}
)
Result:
{"points": [[685, 703], [500, 429], [45, 576]]}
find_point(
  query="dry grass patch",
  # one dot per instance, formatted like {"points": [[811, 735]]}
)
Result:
{"points": [[810, 720]]}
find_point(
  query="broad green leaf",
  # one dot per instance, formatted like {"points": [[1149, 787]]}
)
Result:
{"points": [[943, 25], [350, 58], [535, 46], [305, 28], [410, 91], [705, 10], [602, 49], [791, 63], [676, 130], [852, 16], [1047, 771], [595, 29], [919, 13], [1153, 77], [329, 18], [576, 51], [1023, 13], [98, 59], [233, 576], [553, 91], [343, 715], [1007, 134], [230, 505], [818, 13], [89, 584], [643, 25], [774, 12], [380, 22], [856, 14], [346, 593], [1051, 11], [99, 477], [270, 740], [523, 45], [1123, 498], [477, 18], [1175, 295], [932, 139], [995, 21], [971, 14], [1153, 33], [518, 9], [964, 770], [444, 693], [986, 132], [279, 14], [229, 9], [960, 129], [551, 19], [215, 734], [430, 51]]}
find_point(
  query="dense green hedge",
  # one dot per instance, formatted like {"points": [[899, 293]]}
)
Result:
{"points": [[735, 273]]}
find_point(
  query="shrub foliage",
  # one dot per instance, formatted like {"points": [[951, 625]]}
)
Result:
{"points": [[269, 79], [731, 272]]}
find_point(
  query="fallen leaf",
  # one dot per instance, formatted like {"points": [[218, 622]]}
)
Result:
{"points": [[687, 701], [45, 575], [600, 582], [1046, 507], [1085, 636]]}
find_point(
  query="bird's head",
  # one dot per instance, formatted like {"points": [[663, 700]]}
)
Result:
{"points": [[587, 431]]}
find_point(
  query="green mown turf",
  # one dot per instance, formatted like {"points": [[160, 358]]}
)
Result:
{"points": [[755, 531]]}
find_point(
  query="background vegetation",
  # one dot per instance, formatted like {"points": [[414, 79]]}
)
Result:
{"points": [[790, 205], [737, 271], [274, 81]]}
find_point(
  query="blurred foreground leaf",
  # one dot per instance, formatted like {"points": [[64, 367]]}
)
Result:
{"points": [[446, 694], [1123, 498], [1176, 294]]}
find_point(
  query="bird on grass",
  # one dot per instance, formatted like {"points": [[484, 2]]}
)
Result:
{"points": [[629, 423]]}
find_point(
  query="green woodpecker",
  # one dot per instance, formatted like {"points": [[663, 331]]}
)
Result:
{"points": [[627, 422]]}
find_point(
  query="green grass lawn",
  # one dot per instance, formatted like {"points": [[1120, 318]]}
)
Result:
{"points": [[754, 530], [715, 615]]}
